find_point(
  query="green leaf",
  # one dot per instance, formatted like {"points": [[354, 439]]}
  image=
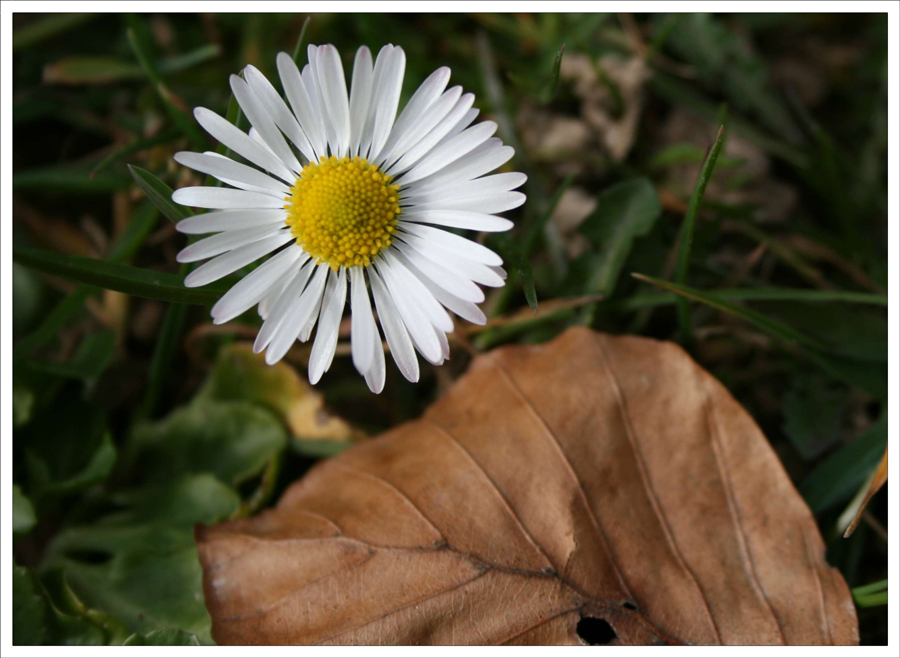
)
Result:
{"points": [[686, 237], [90, 360], [160, 194], [166, 638], [144, 563], [96, 470], [624, 212], [231, 440], [123, 278], [28, 609], [813, 414], [836, 479], [23, 513], [69, 622]]}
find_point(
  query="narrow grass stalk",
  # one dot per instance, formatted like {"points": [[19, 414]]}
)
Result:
{"points": [[687, 230]]}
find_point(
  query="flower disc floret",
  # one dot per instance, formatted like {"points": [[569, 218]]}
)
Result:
{"points": [[343, 211]]}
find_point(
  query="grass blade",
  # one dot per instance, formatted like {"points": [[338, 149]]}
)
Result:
{"points": [[124, 248], [45, 28], [65, 179], [760, 321], [839, 476], [181, 119], [687, 229], [135, 147], [298, 49], [160, 194], [135, 281]]}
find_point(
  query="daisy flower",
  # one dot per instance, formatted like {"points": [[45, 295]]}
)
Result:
{"points": [[347, 194]]}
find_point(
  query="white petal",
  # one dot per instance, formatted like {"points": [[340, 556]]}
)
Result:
{"points": [[299, 98], [306, 332], [425, 145], [496, 184], [333, 87], [310, 77], [473, 221], [453, 243], [415, 321], [466, 268], [429, 127], [224, 168], [231, 220], [464, 309], [241, 185], [265, 306], [296, 318], [450, 151], [445, 345], [234, 260], [463, 123], [484, 203], [381, 62], [227, 241], [482, 160], [394, 331], [250, 290], [224, 198], [278, 110], [418, 293], [260, 119], [329, 321], [387, 98], [418, 107], [376, 372], [449, 280], [283, 304], [362, 324], [240, 143], [360, 96]]}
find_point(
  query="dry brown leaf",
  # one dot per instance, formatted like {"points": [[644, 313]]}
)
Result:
{"points": [[592, 476]]}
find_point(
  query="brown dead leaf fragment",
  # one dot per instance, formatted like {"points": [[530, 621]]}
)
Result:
{"points": [[590, 477]]}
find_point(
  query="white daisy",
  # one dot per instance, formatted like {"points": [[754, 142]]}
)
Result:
{"points": [[351, 195]]}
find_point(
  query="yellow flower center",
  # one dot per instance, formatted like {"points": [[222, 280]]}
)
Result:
{"points": [[343, 211]]}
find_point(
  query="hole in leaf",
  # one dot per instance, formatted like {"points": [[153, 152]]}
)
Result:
{"points": [[594, 631], [629, 605], [89, 556]]}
